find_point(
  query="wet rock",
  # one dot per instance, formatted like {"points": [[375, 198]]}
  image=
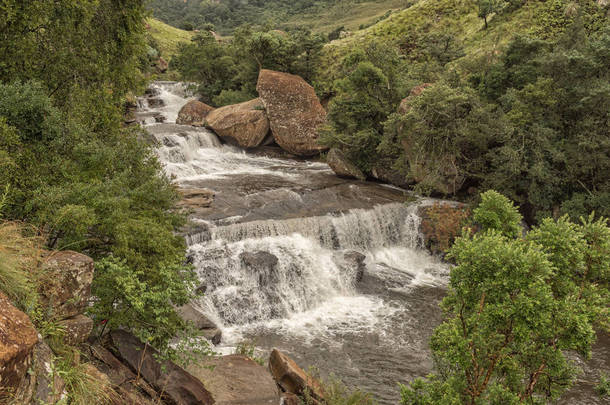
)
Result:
{"points": [[179, 386], [263, 263], [17, 341], [77, 329], [122, 378], [291, 378], [342, 166], [66, 288], [154, 102], [208, 328], [355, 262], [49, 385], [236, 379], [383, 172], [196, 197], [243, 124], [152, 92], [159, 118], [294, 112], [194, 113]]}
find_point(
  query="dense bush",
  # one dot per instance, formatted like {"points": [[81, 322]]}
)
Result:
{"points": [[226, 73], [71, 170], [514, 306]]}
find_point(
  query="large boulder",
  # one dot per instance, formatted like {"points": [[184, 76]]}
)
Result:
{"points": [[243, 124], [263, 264], [66, 288], [194, 113], [49, 384], [208, 328], [294, 111], [236, 380], [179, 386], [291, 378], [354, 262], [77, 329], [17, 341], [342, 166]]}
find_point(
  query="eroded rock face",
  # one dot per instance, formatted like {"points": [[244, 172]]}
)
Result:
{"points": [[342, 166], [77, 329], [66, 289], [291, 378], [261, 263], [194, 113], [181, 387], [243, 124], [17, 341], [355, 262], [294, 111], [236, 379], [49, 385], [208, 328]]}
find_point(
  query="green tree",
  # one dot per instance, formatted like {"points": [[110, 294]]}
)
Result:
{"points": [[514, 307], [498, 213]]}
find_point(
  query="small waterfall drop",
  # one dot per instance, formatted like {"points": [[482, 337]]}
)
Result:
{"points": [[290, 256]]}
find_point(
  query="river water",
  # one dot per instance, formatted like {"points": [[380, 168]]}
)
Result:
{"points": [[328, 270]]}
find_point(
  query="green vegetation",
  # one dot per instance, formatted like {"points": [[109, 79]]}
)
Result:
{"points": [[319, 15], [166, 38], [514, 306], [70, 170], [226, 73], [603, 388]]}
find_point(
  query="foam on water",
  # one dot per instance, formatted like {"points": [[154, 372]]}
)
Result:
{"points": [[295, 278]]}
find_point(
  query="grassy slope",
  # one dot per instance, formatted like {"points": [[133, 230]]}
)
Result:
{"points": [[167, 37], [351, 16], [459, 19]]}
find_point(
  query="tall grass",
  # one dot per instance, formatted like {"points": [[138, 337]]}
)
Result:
{"points": [[20, 257]]}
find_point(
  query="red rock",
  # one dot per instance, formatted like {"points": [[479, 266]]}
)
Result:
{"points": [[292, 378], [194, 113], [17, 341], [294, 111], [244, 124]]}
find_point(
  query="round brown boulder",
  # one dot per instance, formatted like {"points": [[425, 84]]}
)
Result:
{"points": [[244, 124], [294, 111], [194, 113]]}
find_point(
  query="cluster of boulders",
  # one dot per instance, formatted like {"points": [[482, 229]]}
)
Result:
{"points": [[286, 112], [26, 361]]}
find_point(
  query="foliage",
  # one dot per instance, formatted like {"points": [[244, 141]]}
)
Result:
{"points": [[19, 265], [70, 169], [514, 307], [226, 16], [226, 73], [336, 393], [442, 224], [443, 137], [603, 388], [248, 348], [369, 89], [498, 213], [165, 38]]}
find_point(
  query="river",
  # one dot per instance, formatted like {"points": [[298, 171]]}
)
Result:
{"points": [[328, 270]]}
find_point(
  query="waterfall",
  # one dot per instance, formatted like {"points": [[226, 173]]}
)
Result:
{"points": [[288, 249]]}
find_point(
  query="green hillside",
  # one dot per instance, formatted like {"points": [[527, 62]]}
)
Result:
{"points": [[167, 37], [410, 29]]}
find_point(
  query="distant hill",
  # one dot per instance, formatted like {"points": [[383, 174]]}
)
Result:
{"points": [[167, 38], [318, 15], [416, 27]]}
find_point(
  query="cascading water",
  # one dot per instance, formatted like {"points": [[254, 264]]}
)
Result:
{"points": [[329, 270]]}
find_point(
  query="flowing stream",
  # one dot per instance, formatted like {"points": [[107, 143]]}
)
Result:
{"points": [[330, 271]]}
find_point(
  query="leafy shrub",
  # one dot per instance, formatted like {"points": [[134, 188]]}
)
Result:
{"points": [[603, 387], [497, 212]]}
